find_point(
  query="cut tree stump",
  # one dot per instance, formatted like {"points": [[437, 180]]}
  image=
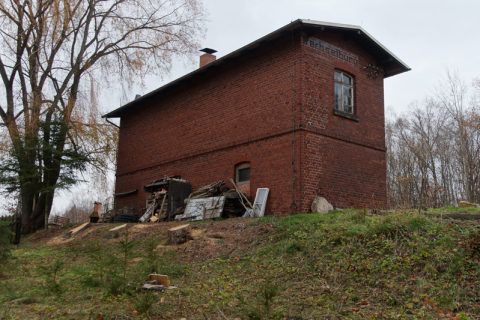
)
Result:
{"points": [[73, 232], [159, 279], [180, 234], [115, 232], [119, 228]]}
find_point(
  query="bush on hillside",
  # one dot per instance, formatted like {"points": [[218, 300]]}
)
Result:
{"points": [[5, 245]]}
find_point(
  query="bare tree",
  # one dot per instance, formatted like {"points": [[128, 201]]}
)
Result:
{"points": [[79, 210], [52, 55], [452, 92], [433, 151]]}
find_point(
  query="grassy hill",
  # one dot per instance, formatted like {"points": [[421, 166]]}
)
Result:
{"points": [[342, 265]]}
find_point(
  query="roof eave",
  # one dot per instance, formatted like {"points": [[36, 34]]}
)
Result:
{"points": [[294, 24], [402, 67]]}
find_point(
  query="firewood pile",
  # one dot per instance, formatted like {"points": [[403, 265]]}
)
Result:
{"points": [[211, 201], [207, 191], [162, 198], [58, 220], [169, 178], [110, 215], [157, 207], [178, 211], [233, 207]]}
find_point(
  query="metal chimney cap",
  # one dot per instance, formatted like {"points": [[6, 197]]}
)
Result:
{"points": [[208, 50]]}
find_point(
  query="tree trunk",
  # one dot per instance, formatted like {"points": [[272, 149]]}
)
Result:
{"points": [[33, 219]]}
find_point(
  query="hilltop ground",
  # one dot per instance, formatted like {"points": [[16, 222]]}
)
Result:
{"points": [[342, 265]]}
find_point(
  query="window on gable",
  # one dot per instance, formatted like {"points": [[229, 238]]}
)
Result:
{"points": [[343, 92]]}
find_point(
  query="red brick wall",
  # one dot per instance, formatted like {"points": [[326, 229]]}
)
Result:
{"points": [[341, 159], [242, 113], [245, 112], [346, 174], [270, 167]]}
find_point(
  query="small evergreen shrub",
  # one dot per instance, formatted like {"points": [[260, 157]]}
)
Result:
{"points": [[5, 245]]}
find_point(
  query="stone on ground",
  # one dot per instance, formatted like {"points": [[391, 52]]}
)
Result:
{"points": [[321, 205]]}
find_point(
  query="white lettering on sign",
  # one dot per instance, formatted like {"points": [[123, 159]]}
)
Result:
{"points": [[331, 50]]}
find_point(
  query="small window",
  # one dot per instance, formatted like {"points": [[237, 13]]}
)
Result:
{"points": [[243, 173], [343, 92]]}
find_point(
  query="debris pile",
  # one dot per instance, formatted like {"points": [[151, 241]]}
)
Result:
{"points": [[233, 207], [166, 198], [169, 178], [207, 191], [156, 207], [111, 215], [170, 199], [203, 209], [213, 201], [58, 220]]}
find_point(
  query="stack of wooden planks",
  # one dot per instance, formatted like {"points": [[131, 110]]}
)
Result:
{"points": [[203, 209], [157, 208], [58, 221], [210, 190], [233, 207]]}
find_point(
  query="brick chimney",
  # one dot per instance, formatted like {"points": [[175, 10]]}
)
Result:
{"points": [[97, 207], [207, 57]]}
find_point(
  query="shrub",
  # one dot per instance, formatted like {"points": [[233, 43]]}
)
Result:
{"points": [[260, 305], [51, 272], [151, 255], [144, 302], [5, 245], [293, 247]]}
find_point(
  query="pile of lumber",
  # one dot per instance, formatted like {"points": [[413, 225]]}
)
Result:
{"points": [[169, 178], [156, 208], [212, 201], [233, 207], [207, 191], [58, 221], [203, 209]]}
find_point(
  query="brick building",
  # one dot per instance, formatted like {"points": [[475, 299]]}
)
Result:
{"points": [[299, 111]]}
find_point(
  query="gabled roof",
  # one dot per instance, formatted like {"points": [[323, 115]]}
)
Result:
{"points": [[390, 63]]}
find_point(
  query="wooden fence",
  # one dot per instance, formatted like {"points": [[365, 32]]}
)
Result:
{"points": [[15, 224]]}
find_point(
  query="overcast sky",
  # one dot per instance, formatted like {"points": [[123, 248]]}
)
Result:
{"points": [[429, 36]]}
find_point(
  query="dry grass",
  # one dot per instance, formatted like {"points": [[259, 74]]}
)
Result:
{"points": [[335, 266]]}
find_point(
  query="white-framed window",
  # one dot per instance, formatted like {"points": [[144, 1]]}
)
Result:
{"points": [[343, 92], [243, 173]]}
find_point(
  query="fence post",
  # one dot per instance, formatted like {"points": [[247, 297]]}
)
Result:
{"points": [[14, 223], [18, 229]]}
